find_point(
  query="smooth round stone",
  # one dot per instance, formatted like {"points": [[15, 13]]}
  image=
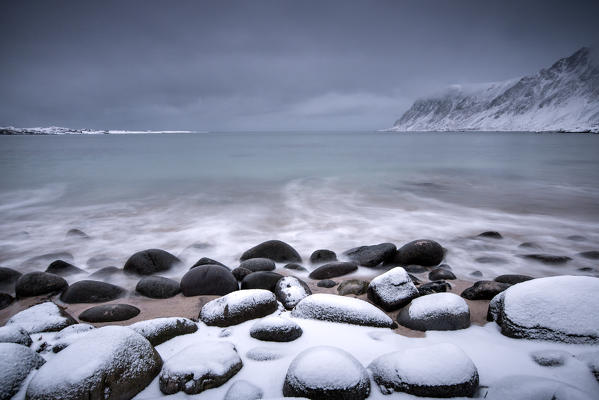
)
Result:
{"points": [[92, 292], [8, 278], [151, 261], [484, 290], [5, 300], [326, 283], [207, 261], [333, 270], [63, 268], [275, 329], [158, 287], [424, 252], [490, 235], [240, 273], [109, 313], [291, 290], [258, 264], [38, 283], [322, 256], [208, 280], [238, 307], [276, 250], [261, 280], [439, 312], [352, 286], [371, 256], [513, 279], [439, 274]]}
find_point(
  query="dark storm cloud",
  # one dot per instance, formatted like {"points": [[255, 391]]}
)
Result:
{"points": [[248, 65]]}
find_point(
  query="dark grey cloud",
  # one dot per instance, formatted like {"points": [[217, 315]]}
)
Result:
{"points": [[248, 65]]}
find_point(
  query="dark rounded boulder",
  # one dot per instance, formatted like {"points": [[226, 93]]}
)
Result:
{"points": [[438, 274], [261, 280], [109, 313], [151, 261], [5, 300], [423, 252], [512, 279], [322, 256], [239, 273], [333, 270], [8, 278], [352, 286], [157, 287], [484, 290], [549, 259], [490, 235], [208, 280], [207, 261], [434, 287], [276, 250], [258, 264], [326, 283], [295, 267], [88, 291], [63, 268], [371, 256], [77, 234], [106, 273], [591, 255], [38, 283]]}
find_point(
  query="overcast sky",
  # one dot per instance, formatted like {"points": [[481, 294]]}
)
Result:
{"points": [[253, 65]]}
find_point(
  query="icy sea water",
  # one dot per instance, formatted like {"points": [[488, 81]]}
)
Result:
{"points": [[226, 192]]}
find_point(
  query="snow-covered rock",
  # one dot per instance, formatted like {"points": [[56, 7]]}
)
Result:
{"points": [[199, 367], [333, 308], [560, 98], [14, 334], [45, 317], [550, 358], [243, 390], [393, 289], [239, 306], [16, 362], [112, 362], [275, 329], [441, 370], [68, 335], [439, 311], [592, 360], [550, 309], [525, 387], [290, 290], [325, 372], [262, 353], [159, 330]]}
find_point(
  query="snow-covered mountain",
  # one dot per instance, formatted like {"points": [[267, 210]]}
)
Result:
{"points": [[563, 97], [57, 130]]}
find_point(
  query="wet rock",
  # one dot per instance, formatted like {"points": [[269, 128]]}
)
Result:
{"points": [[63, 268], [91, 292], [261, 280], [295, 267], [109, 313], [238, 307], [77, 234], [490, 235], [547, 258], [476, 273], [529, 245], [333, 270], [490, 260], [591, 255], [38, 283], [151, 261], [576, 238], [326, 283], [258, 264], [276, 250], [340, 377], [44, 317], [15, 334], [427, 253], [158, 287], [290, 290], [484, 290], [8, 278], [439, 312], [392, 290], [240, 273], [434, 287], [5, 300], [275, 329], [322, 256], [512, 279], [207, 261], [208, 280], [352, 286], [106, 273], [438, 274], [16, 362], [160, 330], [371, 256], [415, 269]]}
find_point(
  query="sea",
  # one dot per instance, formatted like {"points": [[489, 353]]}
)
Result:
{"points": [[217, 194]]}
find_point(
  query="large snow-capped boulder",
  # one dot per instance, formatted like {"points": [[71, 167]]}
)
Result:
{"points": [[68, 336], [45, 317], [243, 390], [275, 329], [441, 370], [439, 311], [290, 290], [112, 362], [392, 290], [14, 334], [208, 280], [88, 291], [148, 262], [159, 330], [199, 367], [528, 387], [38, 283], [559, 308], [16, 362], [325, 372], [238, 307], [276, 250], [333, 308], [371, 256]]}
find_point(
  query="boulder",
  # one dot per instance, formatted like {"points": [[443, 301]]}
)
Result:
{"points": [[199, 367], [240, 273], [529, 245], [208, 280], [352, 286], [438, 312], [291, 290], [591, 255], [275, 329], [258, 264], [276, 250], [157, 287], [392, 290], [63, 268], [547, 258], [333, 270], [8, 278], [44, 317], [5, 300], [295, 267], [512, 279], [262, 353], [16, 362], [207, 261], [550, 309], [38, 283], [550, 358], [151, 261], [243, 390], [371, 256], [112, 362], [68, 336], [326, 283], [434, 287], [439, 274], [77, 234], [238, 307], [325, 372], [107, 273], [490, 235], [322, 256], [109, 313], [423, 252], [333, 308], [261, 280], [441, 370], [14, 334], [159, 330], [91, 292], [484, 290]]}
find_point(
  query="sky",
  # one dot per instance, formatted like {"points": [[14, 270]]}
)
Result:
{"points": [[265, 65]]}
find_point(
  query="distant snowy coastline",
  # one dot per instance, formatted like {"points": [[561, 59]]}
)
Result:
{"points": [[57, 130]]}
